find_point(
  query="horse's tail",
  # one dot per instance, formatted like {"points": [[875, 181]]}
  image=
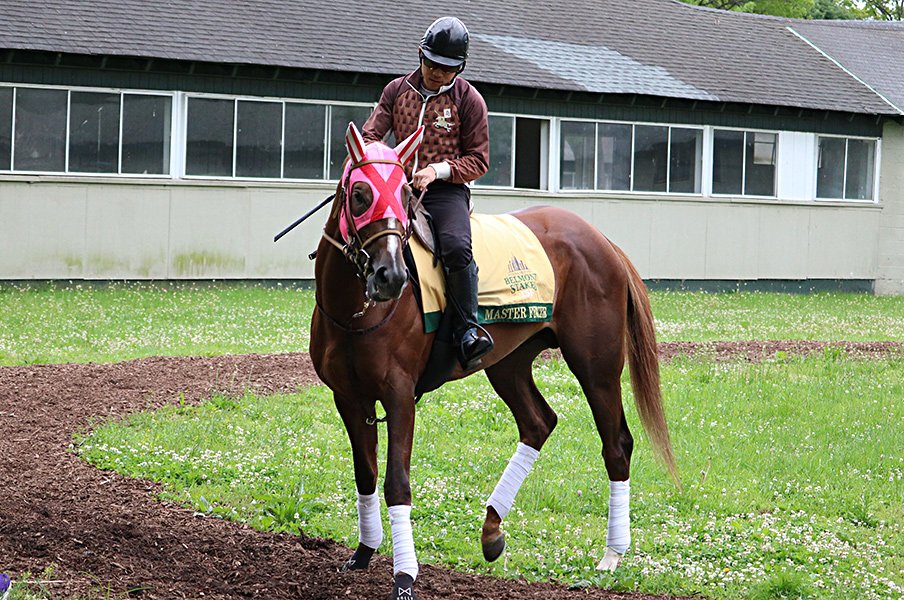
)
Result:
{"points": [[643, 362]]}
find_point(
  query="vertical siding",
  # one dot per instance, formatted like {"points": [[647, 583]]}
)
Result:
{"points": [[890, 278]]}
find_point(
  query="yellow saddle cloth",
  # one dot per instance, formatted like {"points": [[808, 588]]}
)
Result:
{"points": [[516, 281]]}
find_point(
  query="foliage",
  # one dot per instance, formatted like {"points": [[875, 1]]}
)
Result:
{"points": [[792, 485], [883, 10], [781, 8]]}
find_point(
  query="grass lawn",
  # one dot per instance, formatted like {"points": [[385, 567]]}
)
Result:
{"points": [[793, 477], [89, 323]]}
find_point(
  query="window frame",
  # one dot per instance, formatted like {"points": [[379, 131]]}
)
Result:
{"points": [[183, 141], [120, 92], [546, 155], [557, 143], [877, 161], [745, 131]]}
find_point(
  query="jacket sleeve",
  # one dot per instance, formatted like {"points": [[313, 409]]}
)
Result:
{"points": [[474, 160], [380, 121]]}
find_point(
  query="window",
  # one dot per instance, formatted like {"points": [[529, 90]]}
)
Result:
{"points": [[209, 138], [846, 168], [502, 149], [258, 139], [744, 162], [6, 128], [625, 157], [146, 125], [40, 130], [614, 157], [93, 132], [305, 144], [577, 156], [685, 160], [651, 155], [340, 117], [518, 153]]}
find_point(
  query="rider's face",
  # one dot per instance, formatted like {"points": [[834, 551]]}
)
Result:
{"points": [[435, 75]]}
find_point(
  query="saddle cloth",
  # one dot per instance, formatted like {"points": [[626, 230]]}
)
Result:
{"points": [[516, 280]]}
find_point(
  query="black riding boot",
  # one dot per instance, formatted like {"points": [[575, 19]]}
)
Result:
{"points": [[472, 342]]}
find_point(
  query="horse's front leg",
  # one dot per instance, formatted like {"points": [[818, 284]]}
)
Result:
{"points": [[397, 488], [363, 437]]}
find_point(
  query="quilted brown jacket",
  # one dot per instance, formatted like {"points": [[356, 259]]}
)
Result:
{"points": [[456, 125]]}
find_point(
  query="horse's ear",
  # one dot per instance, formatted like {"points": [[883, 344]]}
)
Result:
{"points": [[354, 143], [407, 149]]}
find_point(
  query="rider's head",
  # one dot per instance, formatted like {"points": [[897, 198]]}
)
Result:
{"points": [[443, 52]]}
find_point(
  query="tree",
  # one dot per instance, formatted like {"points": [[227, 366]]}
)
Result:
{"points": [[885, 10], [836, 10], [780, 8]]}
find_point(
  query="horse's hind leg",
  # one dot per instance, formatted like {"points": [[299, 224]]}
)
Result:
{"points": [[363, 438], [513, 381], [598, 367]]}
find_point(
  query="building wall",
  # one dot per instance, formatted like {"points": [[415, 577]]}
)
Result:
{"points": [[53, 228], [890, 276]]}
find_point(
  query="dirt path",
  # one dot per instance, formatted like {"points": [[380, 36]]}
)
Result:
{"points": [[104, 531]]}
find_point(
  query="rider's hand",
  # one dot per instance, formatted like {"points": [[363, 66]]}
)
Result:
{"points": [[423, 178]]}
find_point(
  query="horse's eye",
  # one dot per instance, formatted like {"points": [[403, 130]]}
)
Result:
{"points": [[359, 202]]}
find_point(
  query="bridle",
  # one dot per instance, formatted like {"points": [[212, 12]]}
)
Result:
{"points": [[358, 238]]}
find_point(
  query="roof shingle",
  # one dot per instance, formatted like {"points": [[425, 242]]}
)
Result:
{"points": [[652, 47]]}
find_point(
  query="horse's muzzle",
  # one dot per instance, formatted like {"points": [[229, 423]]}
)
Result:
{"points": [[386, 283]]}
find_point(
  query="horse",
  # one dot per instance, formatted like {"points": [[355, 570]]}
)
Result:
{"points": [[368, 345]]}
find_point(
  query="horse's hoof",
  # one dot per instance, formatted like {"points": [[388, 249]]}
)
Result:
{"points": [[493, 549], [403, 588], [610, 561], [359, 561]]}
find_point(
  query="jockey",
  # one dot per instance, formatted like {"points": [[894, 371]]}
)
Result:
{"points": [[455, 151]]}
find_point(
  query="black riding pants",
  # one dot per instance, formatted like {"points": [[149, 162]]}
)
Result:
{"points": [[449, 206]]}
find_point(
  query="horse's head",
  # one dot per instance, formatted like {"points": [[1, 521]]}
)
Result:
{"points": [[373, 214]]}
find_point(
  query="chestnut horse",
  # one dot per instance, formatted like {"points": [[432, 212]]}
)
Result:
{"points": [[368, 345]]}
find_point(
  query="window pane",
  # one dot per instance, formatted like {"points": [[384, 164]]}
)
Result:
{"points": [[93, 133], [258, 139], [6, 127], [40, 130], [305, 141], [577, 156], [830, 169], [500, 172], [651, 150], [531, 159], [860, 169], [146, 124], [728, 159], [614, 157], [759, 175], [209, 138], [685, 160], [339, 119]]}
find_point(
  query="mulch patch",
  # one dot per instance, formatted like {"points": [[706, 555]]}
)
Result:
{"points": [[106, 532]]}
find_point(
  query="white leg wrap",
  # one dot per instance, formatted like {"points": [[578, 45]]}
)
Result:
{"points": [[618, 537], [403, 557], [370, 526], [517, 469]]}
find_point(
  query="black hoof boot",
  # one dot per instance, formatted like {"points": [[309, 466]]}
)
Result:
{"points": [[493, 549], [403, 588], [360, 560]]}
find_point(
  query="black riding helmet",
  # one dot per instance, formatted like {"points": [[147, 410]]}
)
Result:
{"points": [[446, 42]]}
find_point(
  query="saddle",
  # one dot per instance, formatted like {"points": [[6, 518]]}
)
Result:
{"points": [[516, 283]]}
